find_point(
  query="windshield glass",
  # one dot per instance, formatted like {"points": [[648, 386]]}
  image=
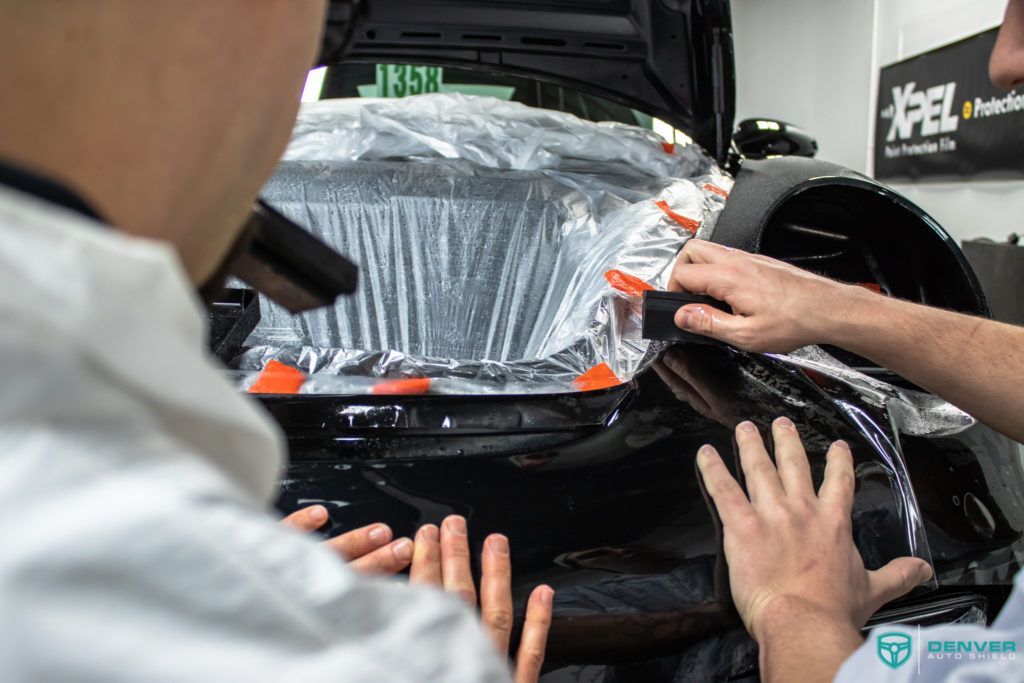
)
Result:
{"points": [[401, 80]]}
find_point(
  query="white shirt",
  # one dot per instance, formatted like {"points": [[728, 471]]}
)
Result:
{"points": [[135, 489]]}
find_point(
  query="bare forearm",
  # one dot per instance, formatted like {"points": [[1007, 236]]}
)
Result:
{"points": [[802, 645], [974, 363]]}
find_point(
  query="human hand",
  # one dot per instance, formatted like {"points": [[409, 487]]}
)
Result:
{"points": [[791, 552], [369, 549], [776, 307], [442, 559]]}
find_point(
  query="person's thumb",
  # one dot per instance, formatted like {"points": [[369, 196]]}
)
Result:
{"points": [[895, 579], [710, 322]]}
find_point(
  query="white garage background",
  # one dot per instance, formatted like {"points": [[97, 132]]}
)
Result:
{"points": [[815, 63]]}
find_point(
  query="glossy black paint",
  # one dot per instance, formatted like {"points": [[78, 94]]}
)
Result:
{"points": [[829, 219], [765, 138], [599, 495]]}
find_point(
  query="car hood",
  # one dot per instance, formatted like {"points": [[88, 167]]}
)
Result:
{"points": [[671, 59]]}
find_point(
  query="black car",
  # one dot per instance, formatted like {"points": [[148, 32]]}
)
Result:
{"points": [[595, 483]]}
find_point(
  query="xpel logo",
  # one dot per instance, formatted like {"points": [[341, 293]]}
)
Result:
{"points": [[931, 108]]}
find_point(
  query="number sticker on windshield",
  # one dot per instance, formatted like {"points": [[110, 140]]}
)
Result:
{"points": [[401, 80]]}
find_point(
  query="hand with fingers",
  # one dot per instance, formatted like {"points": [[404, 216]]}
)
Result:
{"points": [[796, 575], [370, 549], [442, 559], [776, 307]]}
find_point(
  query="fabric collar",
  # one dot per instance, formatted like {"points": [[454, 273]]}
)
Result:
{"points": [[46, 189]]}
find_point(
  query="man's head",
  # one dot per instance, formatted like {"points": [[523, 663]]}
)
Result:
{"points": [[167, 116], [1006, 66]]}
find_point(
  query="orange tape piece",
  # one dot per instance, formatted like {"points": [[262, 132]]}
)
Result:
{"points": [[629, 285], [278, 378], [873, 286], [669, 147], [402, 387], [717, 190], [687, 223], [598, 377]]}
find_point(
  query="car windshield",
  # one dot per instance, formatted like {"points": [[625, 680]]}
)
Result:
{"points": [[403, 80]]}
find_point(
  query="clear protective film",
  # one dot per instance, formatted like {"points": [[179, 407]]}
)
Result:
{"points": [[503, 249], [909, 412]]}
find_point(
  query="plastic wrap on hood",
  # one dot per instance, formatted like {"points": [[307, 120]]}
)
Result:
{"points": [[498, 260], [486, 131]]}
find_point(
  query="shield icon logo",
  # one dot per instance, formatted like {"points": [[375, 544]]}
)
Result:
{"points": [[893, 649]]}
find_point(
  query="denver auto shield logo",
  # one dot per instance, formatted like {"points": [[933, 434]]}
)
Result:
{"points": [[894, 649]]}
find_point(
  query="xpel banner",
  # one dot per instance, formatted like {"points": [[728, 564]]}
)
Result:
{"points": [[940, 117]]}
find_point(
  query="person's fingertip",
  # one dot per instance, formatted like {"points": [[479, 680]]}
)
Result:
{"points": [[380, 534], [746, 427], [317, 514], [841, 444], [455, 524], [924, 572], [498, 544], [546, 595], [403, 549], [784, 422], [682, 317], [429, 533], [705, 454]]}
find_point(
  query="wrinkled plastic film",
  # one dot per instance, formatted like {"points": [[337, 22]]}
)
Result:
{"points": [[914, 412], [483, 258], [488, 132]]}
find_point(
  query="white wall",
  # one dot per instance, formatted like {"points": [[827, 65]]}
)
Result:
{"points": [[808, 62], [831, 51]]}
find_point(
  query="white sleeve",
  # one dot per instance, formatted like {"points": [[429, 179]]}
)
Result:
{"points": [[946, 654], [121, 580]]}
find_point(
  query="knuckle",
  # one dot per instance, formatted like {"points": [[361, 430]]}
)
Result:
{"points": [[744, 335], [499, 618], [532, 656], [842, 525], [427, 552], [500, 571], [785, 512], [342, 546], [382, 563], [705, 322], [906, 577], [782, 514], [720, 480], [801, 508], [846, 480], [745, 523], [455, 551]]}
